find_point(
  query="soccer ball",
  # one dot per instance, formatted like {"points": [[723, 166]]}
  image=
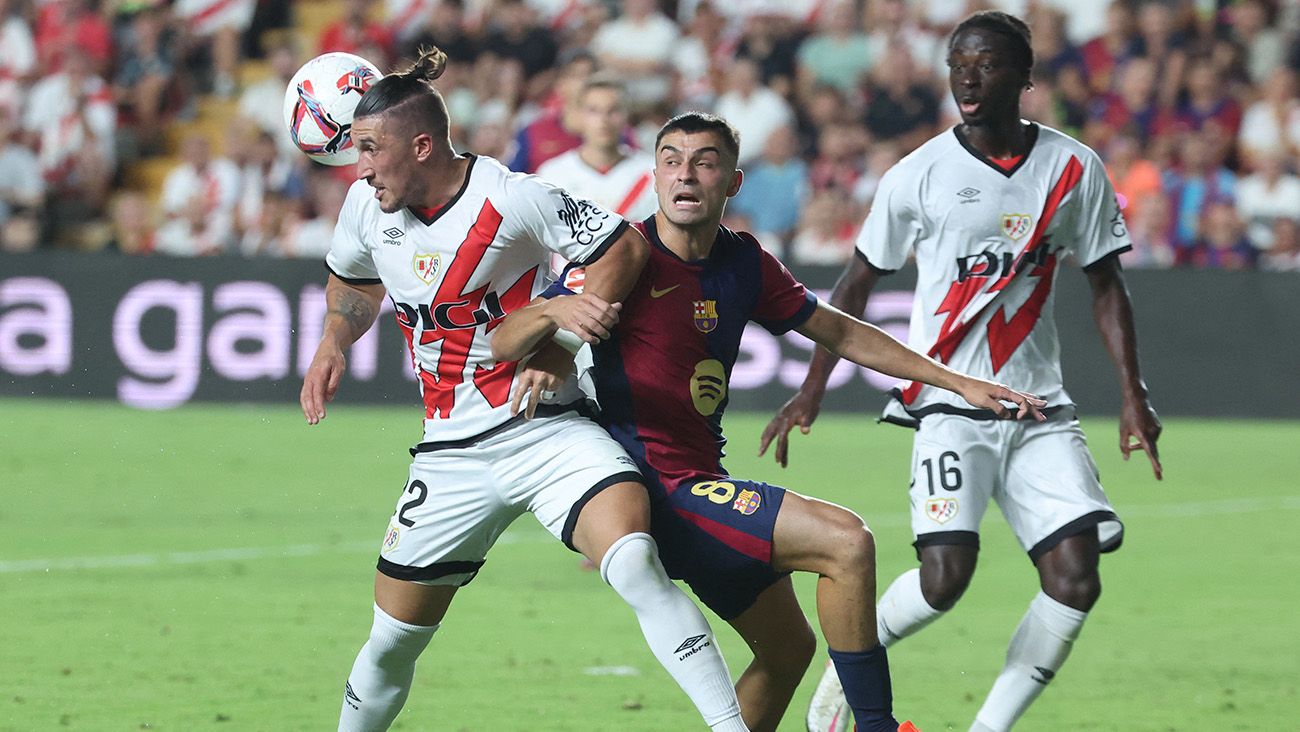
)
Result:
{"points": [[319, 103]]}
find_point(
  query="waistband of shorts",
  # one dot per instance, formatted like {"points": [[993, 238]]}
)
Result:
{"points": [[581, 407], [914, 416]]}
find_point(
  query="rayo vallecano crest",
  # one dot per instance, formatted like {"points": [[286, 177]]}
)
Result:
{"points": [[426, 267], [1016, 225], [941, 509]]}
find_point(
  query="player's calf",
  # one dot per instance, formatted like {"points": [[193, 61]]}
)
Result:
{"points": [[381, 677], [674, 628]]}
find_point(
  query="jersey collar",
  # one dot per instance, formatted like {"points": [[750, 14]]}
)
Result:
{"points": [[1008, 172], [429, 215]]}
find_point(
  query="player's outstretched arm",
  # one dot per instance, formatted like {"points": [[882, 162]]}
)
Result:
{"points": [[1139, 427], [869, 346], [351, 310], [849, 296], [588, 316]]}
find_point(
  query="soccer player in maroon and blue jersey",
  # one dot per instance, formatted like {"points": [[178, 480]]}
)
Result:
{"points": [[662, 361]]}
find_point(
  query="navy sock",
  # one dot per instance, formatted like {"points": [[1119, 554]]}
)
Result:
{"points": [[865, 677]]}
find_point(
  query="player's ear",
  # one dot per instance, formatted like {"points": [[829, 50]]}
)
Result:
{"points": [[737, 178], [422, 146]]}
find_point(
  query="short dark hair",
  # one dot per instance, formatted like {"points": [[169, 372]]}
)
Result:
{"points": [[1008, 26], [410, 93], [691, 122]]}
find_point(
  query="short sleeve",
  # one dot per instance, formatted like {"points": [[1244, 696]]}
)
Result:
{"points": [[783, 302], [575, 228], [349, 258], [1098, 224], [893, 225]]}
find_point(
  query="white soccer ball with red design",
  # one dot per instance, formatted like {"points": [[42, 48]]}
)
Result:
{"points": [[319, 103]]}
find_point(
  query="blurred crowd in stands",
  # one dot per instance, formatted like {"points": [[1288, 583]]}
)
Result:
{"points": [[1192, 104]]}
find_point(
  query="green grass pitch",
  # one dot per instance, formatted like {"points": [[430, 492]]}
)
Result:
{"points": [[209, 568]]}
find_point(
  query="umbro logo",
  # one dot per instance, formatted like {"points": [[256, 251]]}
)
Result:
{"points": [[351, 697], [1046, 675], [393, 235], [689, 643], [692, 646], [968, 192]]}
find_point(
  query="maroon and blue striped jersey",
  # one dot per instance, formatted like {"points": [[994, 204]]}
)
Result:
{"points": [[662, 378]]}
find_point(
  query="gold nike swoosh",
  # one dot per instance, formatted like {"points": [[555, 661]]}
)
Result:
{"points": [[660, 293]]}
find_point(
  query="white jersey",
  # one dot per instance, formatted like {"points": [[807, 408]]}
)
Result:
{"points": [[627, 189], [454, 273], [987, 243]]}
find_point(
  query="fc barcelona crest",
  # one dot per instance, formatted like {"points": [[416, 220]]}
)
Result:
{"points": [[426, 267], [747, 502], [1015, 226], [706, 315]]}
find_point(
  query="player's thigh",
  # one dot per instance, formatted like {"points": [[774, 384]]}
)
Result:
{"points": [[1053, 489], [715, 533], [812, 535], [447, 517], [561, 468], [956, 470]]}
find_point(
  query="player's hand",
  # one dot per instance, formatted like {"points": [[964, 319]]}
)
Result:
{"points": [[321, 381], [801, 410], [994, 397], [585, 315], [1139, 428], [545, 371]]}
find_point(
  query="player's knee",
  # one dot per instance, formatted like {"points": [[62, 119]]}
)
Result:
{"points": [[854, 546], [945, 579], [1080, 592]]}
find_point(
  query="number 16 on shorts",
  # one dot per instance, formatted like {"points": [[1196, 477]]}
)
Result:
{"points": [[935, 476]]}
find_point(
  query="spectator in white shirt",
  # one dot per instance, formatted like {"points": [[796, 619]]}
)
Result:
{"points": [[1263, 197], [753, 109], [198, 201], [638, 46], [70, 119]]}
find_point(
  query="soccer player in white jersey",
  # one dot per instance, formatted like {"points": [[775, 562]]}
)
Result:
{"points": [[990, 209], [457, 241], [602, 168]]}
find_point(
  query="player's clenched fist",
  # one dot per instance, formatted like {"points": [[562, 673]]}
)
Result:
{"points": [[321, 382], [584, 314]]}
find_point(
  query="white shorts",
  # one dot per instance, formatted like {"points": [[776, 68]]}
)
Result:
{"points": [[1040, 474], [458, 500]]}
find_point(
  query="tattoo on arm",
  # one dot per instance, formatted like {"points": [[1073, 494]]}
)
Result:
{"points": [[356, 311]]}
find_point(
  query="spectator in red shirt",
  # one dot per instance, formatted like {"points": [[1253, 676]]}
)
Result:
{"points": [[62, 25], [356, 33], [553, 132], [1103, 55]]}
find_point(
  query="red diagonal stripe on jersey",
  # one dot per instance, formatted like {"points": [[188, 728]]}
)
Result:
{"points": [[960, 294], [494, 383], [1006, 334], [746, 544], [440, 385], [633, 193]]}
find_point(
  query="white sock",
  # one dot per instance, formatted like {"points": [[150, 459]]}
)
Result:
{"points": [[674, 628], [381, 676], [902, 610], [1038, 648]]}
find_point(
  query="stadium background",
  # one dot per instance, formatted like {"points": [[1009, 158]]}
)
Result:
{"points": [[207, 566]]}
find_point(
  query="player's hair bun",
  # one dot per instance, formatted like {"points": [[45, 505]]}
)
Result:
{"points": [[430, 65]]}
